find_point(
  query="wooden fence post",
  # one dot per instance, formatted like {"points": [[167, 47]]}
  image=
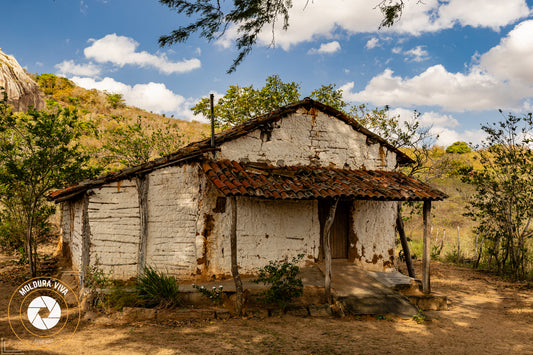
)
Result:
{"points": [[426, 285], [234, 265], [403, 240]]}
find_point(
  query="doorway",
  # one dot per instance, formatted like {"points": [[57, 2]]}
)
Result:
{"points": [[339, 231]]}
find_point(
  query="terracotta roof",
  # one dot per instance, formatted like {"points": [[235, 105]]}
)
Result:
{"points": [[296, 183], [196, 149]]}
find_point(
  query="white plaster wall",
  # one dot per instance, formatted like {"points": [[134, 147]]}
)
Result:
{"points": [[312, 137], [173, 213], [115, 228], [71, 224], [374, 227], [266, 231]]}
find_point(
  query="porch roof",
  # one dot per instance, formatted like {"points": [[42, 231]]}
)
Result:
{"points": [[303, 182]]}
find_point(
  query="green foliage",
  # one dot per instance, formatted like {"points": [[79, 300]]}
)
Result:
{"points": [[115, 100], [329, 95], [96, 278], [242, 103], [57, 87], [121, 296], [283, 280], [215, 294], [458, 148], [419, 317], [158, 289], [38, 152], [249, 18], [212, 20], [130, 144], [503, 203]]}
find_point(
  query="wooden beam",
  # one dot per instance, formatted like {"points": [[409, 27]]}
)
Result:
{"points": [[403, 240], [327, 249], [142, 183], [234, 265], [86, 239], [426, 286]]}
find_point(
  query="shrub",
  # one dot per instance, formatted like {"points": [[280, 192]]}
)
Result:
{"points": [[459, 148], [215, 294], [283, 280], [157, 289]]}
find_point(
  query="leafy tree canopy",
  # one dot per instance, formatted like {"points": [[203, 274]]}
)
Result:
{"points": [[458, 148], [213, 17], [38, 152], [502, 204]]}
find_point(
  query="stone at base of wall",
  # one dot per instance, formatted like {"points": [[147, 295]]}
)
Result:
{"points": [[137, 314]]}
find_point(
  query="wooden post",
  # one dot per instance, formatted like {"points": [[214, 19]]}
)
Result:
{"points": [[426, 286], [403, 240], [234, 265], [327, 249], [86, 239], [142, 183]]}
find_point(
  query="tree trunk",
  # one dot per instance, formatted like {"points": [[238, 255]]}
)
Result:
{"points": [[234, 265], [327, 248], [426, 285], [403, 240], [29, 247]]}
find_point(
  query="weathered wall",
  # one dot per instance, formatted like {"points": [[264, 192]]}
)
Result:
{"points": [[266, 231], [373, 235], [114, 228], [310, 138], [173, 203], [71, 225]]}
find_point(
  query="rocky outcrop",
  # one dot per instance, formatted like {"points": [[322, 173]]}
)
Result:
{"points": [[22, 91]]}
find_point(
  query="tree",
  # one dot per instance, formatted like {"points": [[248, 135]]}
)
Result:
{"points": [[130, 144], [329, 95], [38, 152], [458, 148], [212, 19], [115, 100], [242, 103], [502, 204]]}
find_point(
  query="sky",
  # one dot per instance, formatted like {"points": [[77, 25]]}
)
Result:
{"points": [[457, 62]]}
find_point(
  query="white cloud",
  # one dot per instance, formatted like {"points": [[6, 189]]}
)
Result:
{"points": [[442, 126], [438, 87], [492, 14], [417, 54], [427, 119], [312, 20], [499, 78], [397, 50], [121, 50], [512, 59], [155, 97], [447, 136], [326, 48], [68, 67], [372, 43]]}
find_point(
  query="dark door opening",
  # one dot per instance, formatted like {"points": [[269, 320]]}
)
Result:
{"points": [[339, 231]]}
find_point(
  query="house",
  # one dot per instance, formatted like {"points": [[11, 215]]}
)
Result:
{"points": [[268, 182]]}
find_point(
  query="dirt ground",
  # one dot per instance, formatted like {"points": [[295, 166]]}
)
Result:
{"points": [[486, 316]]}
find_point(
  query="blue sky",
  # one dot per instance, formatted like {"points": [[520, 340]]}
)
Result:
{"points": [[457, 62]]}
